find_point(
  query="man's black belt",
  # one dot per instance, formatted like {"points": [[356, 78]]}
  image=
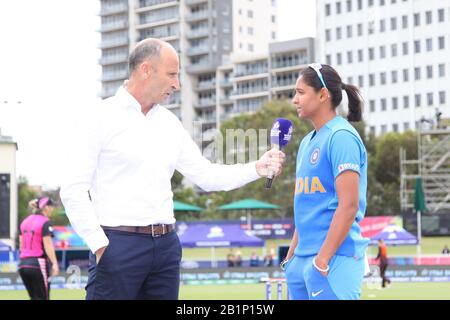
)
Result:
{"points": [[155, 230]]}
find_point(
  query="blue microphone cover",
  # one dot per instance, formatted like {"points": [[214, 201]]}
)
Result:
{"points": [[281, 132]]}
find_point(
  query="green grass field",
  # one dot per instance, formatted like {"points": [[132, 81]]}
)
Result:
{"points": [[429, 245], [398, 291]]}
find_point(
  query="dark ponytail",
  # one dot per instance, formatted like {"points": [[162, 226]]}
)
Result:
{"points": [[354, 102], [335, 86]]}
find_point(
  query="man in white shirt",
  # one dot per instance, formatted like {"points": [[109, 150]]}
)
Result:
{"points": [[125, 156]]}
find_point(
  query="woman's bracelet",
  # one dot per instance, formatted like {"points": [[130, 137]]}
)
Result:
{"points": [[321, 270]]}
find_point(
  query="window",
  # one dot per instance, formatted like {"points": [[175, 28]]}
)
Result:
{"points": [[349, 5], [442, 97], [429, 72], [240, 29], [274, 35], [441, 15], [371, 53], [416, 19], [371, 80], [338, 33], [418, 100], [328, 59], [394, 50], [394, 103], [360, 55], [350, 80], [370, 3], [441, 68], [429, 17], [360, 81], [328, 35], [405, 126], [395, 127], [349, 31], [349, 57], [382, 25], [250, 30], [405, 102], [338, 7], [405, 48], [250, 14], [417, 74], [383, 78], [430, 99], [339, 58], [404, 22], [383, 104], [429, 44], [382, 2], [382, 52], [405, 75], [417, 46], [372, 105], [394, 23], [394, 76], [372, 130], [360, 29], [250, 47], [360, 4], [441, 41], [327, 9], [383, 129], [274, 19], [371, 27]]}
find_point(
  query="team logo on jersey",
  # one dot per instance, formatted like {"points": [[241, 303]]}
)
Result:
{"points": [[315, 156]]}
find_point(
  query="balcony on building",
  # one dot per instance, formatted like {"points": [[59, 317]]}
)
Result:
{"points": [[206, 103], [114, 25], [148, 5], [197, 33], [202, 66], [113, 9], [198, 50], [113, 59], [194, 2], [114, 75], [114, 42], [198, 16]]}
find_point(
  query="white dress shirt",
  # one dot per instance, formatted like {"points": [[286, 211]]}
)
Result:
{"points": [[126, 160]]}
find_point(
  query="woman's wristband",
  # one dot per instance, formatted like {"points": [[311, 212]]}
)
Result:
{"points": [[320, 269]]}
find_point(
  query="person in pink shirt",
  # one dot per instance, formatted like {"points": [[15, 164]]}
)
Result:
{"points": [[37, 254]]}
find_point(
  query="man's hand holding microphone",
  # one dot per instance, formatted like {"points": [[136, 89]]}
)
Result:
{"points": [[271, 163]]}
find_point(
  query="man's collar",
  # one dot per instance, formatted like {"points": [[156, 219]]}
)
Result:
{"points": [[129, 101], [127, 98]]}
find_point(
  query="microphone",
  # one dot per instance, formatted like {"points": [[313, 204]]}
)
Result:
{"points": [[280, 134]]}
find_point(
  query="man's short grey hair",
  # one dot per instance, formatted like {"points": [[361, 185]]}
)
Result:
{"points": [[146, 49]]}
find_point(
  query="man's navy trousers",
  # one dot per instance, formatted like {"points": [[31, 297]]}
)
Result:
{"points": [[136, 266]]}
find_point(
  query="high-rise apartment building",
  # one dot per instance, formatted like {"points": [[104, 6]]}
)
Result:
{"points": [[205, 32], [396, 51]]}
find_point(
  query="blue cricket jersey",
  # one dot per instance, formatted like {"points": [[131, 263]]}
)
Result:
{"points": [[322, 156]]}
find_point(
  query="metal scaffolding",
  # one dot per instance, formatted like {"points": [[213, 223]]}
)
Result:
{"points": [[433, 166]]}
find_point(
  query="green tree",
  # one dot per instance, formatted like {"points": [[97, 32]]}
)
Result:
{"points": [[384, 172], [25, 195], [282, 191]]}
